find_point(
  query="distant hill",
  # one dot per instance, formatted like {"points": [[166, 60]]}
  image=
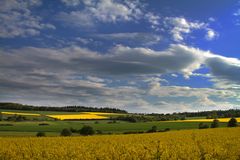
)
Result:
{"points": [[207, 114], [17, 106], [157, 116]]}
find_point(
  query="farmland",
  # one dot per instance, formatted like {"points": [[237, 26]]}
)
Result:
{"points": [[55, 127], [210, 120], [54, 122], [114, 138], [221, 143]]}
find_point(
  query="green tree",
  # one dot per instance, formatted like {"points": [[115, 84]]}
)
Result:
{"points": [[86, 130], [153, 129], [232, 122], [66, 132], [1, 116], [215, 123], [41, 134], [203, 126]]}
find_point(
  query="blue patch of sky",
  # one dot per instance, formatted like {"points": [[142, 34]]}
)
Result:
{"points": [[193, 81]]}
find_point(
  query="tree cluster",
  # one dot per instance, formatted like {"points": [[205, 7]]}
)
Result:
{"points": [[16, 106], [85, 131]]}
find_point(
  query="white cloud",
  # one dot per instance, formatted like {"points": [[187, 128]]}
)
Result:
{"points": [[105, 11], [71, 2], [154, 20], [145, 39], [110, 11], [180, 26], [83, 40], [210, 35], [211, 19], [17, 20], [95, 79], [237, 13], [58, 75], [76, 18]]}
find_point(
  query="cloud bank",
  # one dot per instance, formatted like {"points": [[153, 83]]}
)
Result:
{"points": [[74, 74]]}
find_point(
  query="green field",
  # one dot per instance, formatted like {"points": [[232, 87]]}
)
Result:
{"points": [[31, 126], [55, 127]]}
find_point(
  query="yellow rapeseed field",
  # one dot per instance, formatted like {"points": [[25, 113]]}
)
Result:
{"points": [[104, 113], [77, 116], [207, 144], [20, 113], [209, 120]]}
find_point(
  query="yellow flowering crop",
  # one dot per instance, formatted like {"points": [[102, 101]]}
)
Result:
{"points": [[20, 113], [208, 144], [77, 116], [209, 120], [104, 113]]}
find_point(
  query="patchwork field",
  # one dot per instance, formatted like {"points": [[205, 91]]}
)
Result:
{"points": [[106, 126], [221, 143], [54, 122], [64, 115], [21, 113], [209, 120]]}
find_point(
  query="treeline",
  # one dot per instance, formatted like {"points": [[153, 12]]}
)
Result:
{"points": [[16, 106], [212, 114], [148, 117], [181, 116], [208, 114]]}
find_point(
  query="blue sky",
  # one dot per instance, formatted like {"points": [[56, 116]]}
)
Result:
{"points": [[141, 56]]}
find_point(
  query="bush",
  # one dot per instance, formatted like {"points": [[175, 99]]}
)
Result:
{"points": [[153, 129], [96, 122], [41, 134], [86, 130], [167, 129], [43, 124], [1, 116], [203, 126], [232, 122], [66, 132], [99, 132], [73, 130], [6, 124], [215, 123]]}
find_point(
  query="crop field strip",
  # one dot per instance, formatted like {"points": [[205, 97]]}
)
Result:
{"points": [[68, 116], [221, 143]]}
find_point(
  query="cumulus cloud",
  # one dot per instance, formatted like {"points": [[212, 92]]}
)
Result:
{"points": [[237, 13], [145, 39], [59, 75], [76, 18], [180, 26], [125, 60], [17, 19], [227, 69], [106, 11], [71, 2], [210, 35], [154, 20]]}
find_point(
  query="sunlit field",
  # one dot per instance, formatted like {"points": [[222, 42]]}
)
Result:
{"points": [[104, 113], [222, 143], [209, 120], [20, 113], [77, 116], [84, 115], [67, 116]]}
